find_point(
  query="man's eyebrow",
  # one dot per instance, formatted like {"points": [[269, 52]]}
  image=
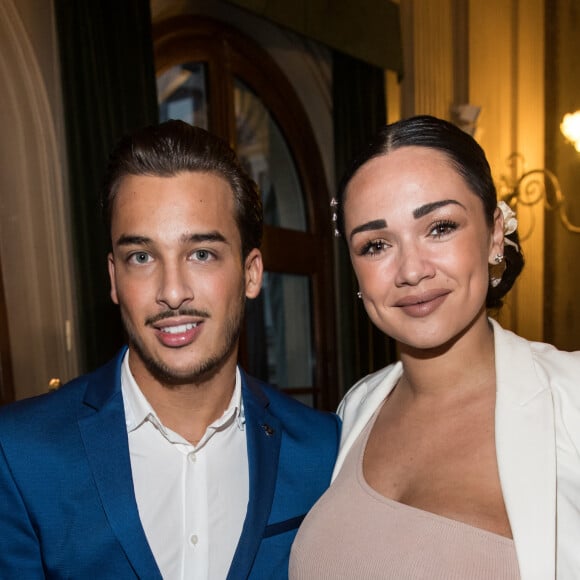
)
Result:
{"points": [[214, 236], [368, 226], [128, 240], [429, 207], [135, 240]]}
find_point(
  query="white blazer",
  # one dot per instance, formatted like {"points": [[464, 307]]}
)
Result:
{"points": [[537, 430]]}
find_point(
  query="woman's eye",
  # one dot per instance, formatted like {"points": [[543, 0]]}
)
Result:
{"points": [[442, 228], [373, 248], [139, 257]]}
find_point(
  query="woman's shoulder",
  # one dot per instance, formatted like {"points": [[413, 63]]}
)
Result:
{"points": [[558, 367], [367, 394], [360, 403], [553, 367]]}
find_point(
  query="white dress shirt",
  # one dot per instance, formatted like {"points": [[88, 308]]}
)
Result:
{"points": [[192, 499]]}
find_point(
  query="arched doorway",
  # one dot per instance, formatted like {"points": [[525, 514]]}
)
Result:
{"points": [[211, 75]]}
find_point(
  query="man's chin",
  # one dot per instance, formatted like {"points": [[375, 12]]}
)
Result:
{"points": [[172, 377]]}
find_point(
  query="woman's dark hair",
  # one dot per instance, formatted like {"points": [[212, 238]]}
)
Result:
{"points": [[174, 147], [469, 160]]}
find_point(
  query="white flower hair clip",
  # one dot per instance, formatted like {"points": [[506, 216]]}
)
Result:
{"points": [[334, 205], [510, 223]]}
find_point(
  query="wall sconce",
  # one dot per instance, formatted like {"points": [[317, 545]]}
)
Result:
{"points": [[540, 185], [570, 127]]}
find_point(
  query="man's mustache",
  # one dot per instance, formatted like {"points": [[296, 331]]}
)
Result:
{"points": [[174, 313]]}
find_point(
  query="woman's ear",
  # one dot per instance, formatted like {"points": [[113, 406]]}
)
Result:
{"points": [[497, 237]]}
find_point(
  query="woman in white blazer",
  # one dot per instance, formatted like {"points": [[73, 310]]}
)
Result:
{"points": [[462, 459]]}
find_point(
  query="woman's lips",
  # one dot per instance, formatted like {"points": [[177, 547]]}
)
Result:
{"points": [[421, 305]]}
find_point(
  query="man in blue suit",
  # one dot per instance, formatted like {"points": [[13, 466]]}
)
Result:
{"points": [[168, 461]]}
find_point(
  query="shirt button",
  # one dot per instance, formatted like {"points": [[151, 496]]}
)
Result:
{"points": [[192, 457], [193, 539]]}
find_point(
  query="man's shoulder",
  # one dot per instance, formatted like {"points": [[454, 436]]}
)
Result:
{"points": [[55, 407], [291, 412], [279, 399], [45, 405]]}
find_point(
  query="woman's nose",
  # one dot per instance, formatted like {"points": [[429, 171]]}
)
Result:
{"points": [[415, 265]]}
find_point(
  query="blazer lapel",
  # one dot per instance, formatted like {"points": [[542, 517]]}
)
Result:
{"points": [[360, 404], [104, 434], [526, 453], [264, 436]]}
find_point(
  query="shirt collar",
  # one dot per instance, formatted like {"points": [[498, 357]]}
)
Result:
{"points": [[138, 410]]}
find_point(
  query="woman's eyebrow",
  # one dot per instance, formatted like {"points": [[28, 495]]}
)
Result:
{"points": [[372, 225], [429, 207]]}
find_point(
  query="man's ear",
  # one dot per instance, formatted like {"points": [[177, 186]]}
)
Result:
{"points": [[254, 270], [111, 266], [497, 236]]}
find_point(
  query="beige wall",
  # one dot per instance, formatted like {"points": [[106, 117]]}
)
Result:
{"points": [[507, 79], [562, 322], [34, 242]]}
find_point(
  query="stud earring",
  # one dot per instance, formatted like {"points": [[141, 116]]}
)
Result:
{"points": [[498, 259], [359, 295]]}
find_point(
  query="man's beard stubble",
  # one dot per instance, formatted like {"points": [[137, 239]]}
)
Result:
{"points": [[205, 369]]}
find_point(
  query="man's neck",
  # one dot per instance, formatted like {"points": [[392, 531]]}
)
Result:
{"points": [[189, 409]]}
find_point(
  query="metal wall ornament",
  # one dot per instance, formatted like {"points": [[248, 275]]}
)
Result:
{"points": [[528, 188]]}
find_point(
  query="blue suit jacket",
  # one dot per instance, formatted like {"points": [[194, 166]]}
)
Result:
{"points": [[67, 505]]}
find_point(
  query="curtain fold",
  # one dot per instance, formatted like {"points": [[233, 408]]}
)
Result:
{"points": [[108, 84], [359, 109]]}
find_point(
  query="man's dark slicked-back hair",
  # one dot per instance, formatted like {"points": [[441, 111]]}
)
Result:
{"points": [[175, 147]]}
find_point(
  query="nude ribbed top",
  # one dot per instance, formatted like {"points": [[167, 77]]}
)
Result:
{"points": [[353, 532]]}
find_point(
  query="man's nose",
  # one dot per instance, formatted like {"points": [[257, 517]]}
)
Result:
{"points": [[175, 288]]}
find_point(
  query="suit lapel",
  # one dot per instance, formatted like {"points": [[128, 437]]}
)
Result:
{"points": [[104, 434], [264, 436], [526, 453]]}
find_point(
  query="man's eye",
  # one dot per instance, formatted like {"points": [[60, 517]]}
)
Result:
{"points": [[139, 257], [202, 255]]}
